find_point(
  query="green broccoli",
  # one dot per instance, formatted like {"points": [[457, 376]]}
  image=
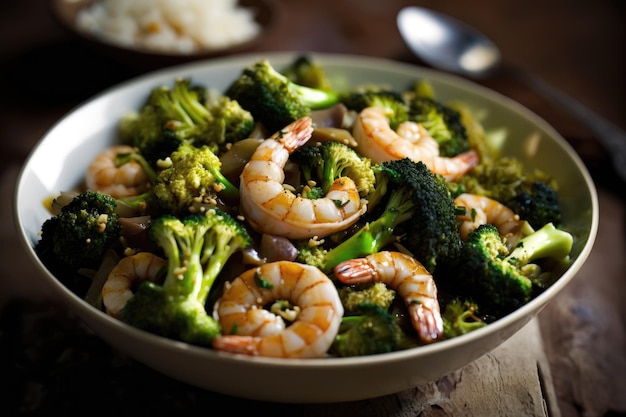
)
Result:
{"points": [[188, 180], [322, 165], [442, 122], [197, 248], [354, 296], [407, 190], [533, 196], [420, 88], [229, 123], [181, 113], [313, 252], [459, 317], [371, 330], [477, 137], [499, 280], [537, 203], [193, 178], [273, 99], [396, 109], [79, 235], [308, 73], [454, 128], [431, 235]]}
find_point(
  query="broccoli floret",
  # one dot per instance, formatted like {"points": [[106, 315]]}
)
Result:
{"points": [[431, 235], [310, 165], [80, 234], [395, 108], [460, 317], [229, 123], [354, 296], [164, 121], [193, 178], [371, 331], [442, 122], [189, 179], [323, 164], [537, 203], [312, 253], [308, 73], [453, 127], [273, 99], [378, 230], [407, 190], [533, 196], [477, 138], [482, 274], [500, 281], [196, 248], [173, 115], [420, 88]]}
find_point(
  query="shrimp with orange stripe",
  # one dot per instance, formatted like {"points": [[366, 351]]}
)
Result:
{"points": [[379, 142], [409, 278], [272, 207], [106, 175], [118, 288], [480, 209], [316, 305]]}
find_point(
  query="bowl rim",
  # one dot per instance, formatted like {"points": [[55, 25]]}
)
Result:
{"points": [[526, 312]]}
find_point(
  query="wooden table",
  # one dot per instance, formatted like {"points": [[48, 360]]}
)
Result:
{"points": [[570, 361]]}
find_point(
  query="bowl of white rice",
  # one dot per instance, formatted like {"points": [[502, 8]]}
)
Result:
{"points": [[167, 31]]}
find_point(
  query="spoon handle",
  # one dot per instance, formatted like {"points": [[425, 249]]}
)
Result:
{"points": [[611, 136]]}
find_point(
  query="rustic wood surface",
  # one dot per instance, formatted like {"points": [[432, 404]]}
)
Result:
{"points": [[568, 362]]}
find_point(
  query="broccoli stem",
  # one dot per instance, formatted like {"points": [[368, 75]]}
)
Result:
{"points": [[459, 317], [229, 190], [377, 234], [316, 99], [312, 97], [547, 242], [184, 277], [195, 111]]}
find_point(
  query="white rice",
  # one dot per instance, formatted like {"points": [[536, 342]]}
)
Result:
{"points": [[175, 26]]}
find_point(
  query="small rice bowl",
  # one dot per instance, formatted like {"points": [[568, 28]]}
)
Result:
{"points": [[172, 26]]}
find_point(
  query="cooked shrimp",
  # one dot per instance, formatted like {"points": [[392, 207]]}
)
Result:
{"points": [[126, 180], [411, 281], [416, 134], [118, 288], [480, 210], [272, 208], [379, 142], [311, 292]]}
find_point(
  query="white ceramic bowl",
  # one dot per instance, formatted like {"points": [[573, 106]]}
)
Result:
{"points": [[59, 161]]}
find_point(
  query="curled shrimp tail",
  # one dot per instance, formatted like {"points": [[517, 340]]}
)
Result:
{"points": [[457, 166], [296, 134], [429, 323], [379, 142], [314, 316], [245, 345], [481, 209], [270, 206], [413, 283], [354, 271]]}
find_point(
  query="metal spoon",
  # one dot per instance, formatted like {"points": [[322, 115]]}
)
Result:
{"points": [[451, 45]]}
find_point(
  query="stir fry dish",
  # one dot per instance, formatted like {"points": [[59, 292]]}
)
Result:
{"points": [[283, 217]]}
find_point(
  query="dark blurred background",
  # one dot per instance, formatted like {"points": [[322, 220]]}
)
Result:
{"points": [[579, 46]]}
